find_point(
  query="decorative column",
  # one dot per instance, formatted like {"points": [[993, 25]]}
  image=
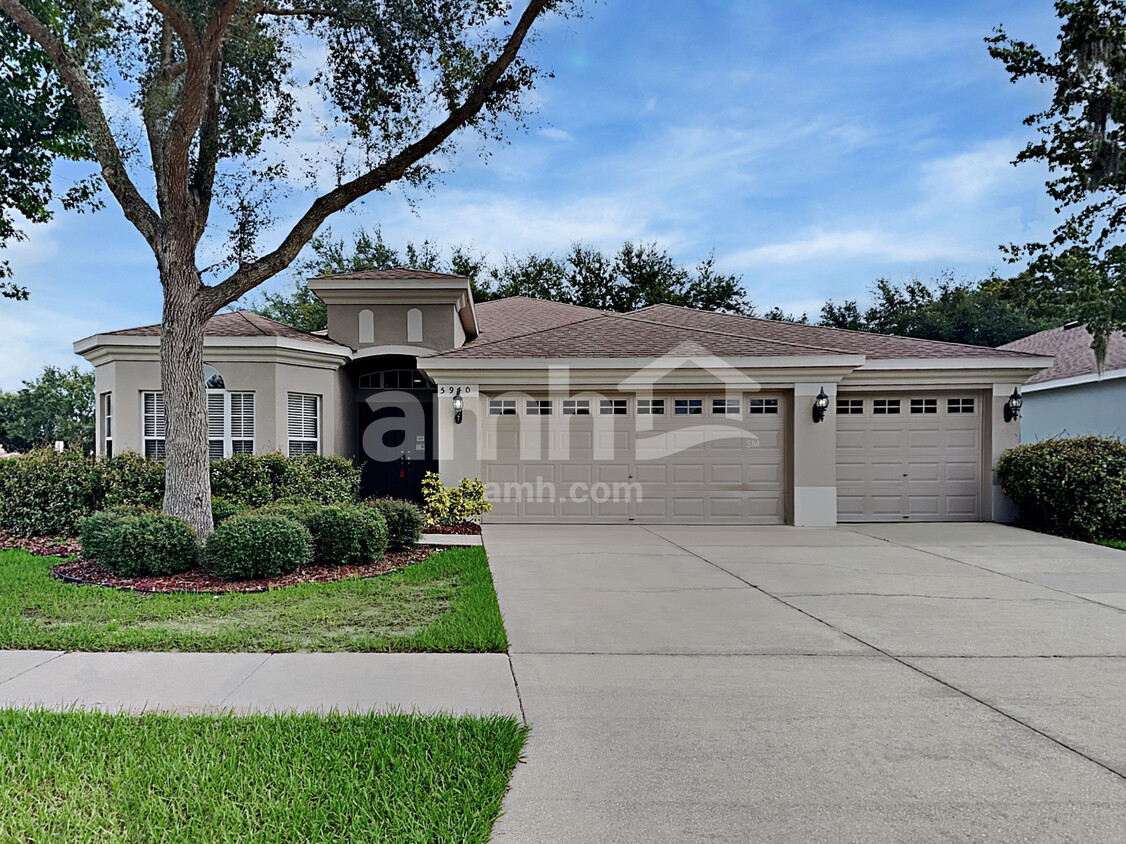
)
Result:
{"points": [[814, 472]]}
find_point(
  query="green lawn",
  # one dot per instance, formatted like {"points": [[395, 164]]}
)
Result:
{"points": [[1114, 543], [445, 603], [80, 777]]}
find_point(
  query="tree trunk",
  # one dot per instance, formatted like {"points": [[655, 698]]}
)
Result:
{"points": [[187, 485]]}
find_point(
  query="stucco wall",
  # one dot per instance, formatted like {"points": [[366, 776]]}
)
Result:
{"points": [[1084, 409], [441, 328], [270, 381]]}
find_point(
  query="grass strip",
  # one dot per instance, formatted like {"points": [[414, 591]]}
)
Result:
{"points": [[444, 604], [81, 778]]}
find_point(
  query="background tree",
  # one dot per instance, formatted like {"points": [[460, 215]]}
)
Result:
{"points": [[59, 405], [213, 84], [986, 313], [1082, 140], [635, 276]]}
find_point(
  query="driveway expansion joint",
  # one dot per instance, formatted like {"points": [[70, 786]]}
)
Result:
{"points": [[37, 666], [245, 679]]}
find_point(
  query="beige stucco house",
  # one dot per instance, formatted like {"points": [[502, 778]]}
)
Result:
{"points": [[570, 414]]}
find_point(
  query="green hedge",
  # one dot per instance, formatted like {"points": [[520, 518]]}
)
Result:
{"points": [[404, 520], [133, 542], [45, 493], [343, 534], [256, 545], [1070, 487]]}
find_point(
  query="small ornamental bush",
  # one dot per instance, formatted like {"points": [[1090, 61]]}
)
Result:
{"points": [[343, 534], [444, 505], [48, 493], [404, 521], [257, 480], [373, 534], [222, 509], [1073, 487], [130, 480], [257, 545], [134, 542]]}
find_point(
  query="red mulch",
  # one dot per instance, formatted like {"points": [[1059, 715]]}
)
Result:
{"points": [[40, 546], [198, 580], [464, 529]]}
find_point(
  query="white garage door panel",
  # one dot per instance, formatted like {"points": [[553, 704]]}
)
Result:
{"points": [[684, 469], [909, 466]]}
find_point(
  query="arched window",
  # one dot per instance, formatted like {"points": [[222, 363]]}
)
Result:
{"points": [[414, 326], [212, 378], [367, 328]]}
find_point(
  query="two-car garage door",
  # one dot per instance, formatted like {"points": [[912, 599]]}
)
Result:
{"points": [[912, 456], [680, 457]]}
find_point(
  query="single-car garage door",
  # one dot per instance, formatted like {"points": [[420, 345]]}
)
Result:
{"points": [[910, 456], [675, 457]]}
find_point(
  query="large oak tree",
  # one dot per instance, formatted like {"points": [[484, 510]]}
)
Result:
{"points": [[200, 98]]}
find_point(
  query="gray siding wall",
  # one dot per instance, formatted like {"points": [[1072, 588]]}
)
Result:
{"points": [[1098, 408]]}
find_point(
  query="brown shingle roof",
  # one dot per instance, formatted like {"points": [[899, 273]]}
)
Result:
{"points": [[500, 319], [236, 324], [815, 337], [394, 274], [1072, 349], [521, 327]]}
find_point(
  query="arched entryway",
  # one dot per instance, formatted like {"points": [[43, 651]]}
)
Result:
{"points": [[396, 441]]}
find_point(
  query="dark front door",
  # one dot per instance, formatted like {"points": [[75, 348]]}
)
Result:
{"points": [[396, 443]]}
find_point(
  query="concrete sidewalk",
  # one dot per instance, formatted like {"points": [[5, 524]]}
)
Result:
{"points": [[190, 683]]}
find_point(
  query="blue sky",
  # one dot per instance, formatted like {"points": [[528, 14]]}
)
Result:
{"points": [[813, 146]]}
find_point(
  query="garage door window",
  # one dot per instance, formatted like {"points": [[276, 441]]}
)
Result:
{"points": [[688, 407], [759, 406], [725, 407], [502, 407], [613, 407], [885, 407], [539, 407], [650, 407], [576, 407], [850, 407], [924, 405], [959, 405]]}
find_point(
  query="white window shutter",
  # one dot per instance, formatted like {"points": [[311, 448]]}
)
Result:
{"points": [[216, 411], [242, 416], [154, 415]]}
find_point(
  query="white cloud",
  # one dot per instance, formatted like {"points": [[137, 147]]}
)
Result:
{"points": [[555, 134], [32, 336]]}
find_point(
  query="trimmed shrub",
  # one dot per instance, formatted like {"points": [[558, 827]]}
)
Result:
{"points": [[257, 480], [343, 534], [48, 493], [134, 542], [1072, 487], [404, 521], [257, 545], [130, 480], [222, 509]]}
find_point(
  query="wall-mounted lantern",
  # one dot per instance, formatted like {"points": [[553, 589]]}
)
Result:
{"points": [[1013, 405], [459, 406], [820, 405]]}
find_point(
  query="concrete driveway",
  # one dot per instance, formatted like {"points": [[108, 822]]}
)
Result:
{"points": [[875, 683]]}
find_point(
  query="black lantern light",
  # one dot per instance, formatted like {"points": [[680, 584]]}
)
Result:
{"points": [[820, 405], [459, 406], [1013, 405]]}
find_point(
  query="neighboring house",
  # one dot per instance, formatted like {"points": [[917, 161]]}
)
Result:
{"points": [[570, 414], [1071, 398]]}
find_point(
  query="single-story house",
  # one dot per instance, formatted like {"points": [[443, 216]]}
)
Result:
{"points": [[1072, 398], [570, 414]]}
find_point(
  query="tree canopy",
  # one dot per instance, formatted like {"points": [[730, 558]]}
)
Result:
{"points": [[635, 276], [1082, 139], [58, 405]]}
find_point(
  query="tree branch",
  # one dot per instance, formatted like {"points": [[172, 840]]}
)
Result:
{"points": [[106, 150], [249, 276]]}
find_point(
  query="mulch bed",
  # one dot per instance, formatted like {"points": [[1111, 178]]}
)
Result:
{"points": [[40, 546], [198, 580], [464, 529]]}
